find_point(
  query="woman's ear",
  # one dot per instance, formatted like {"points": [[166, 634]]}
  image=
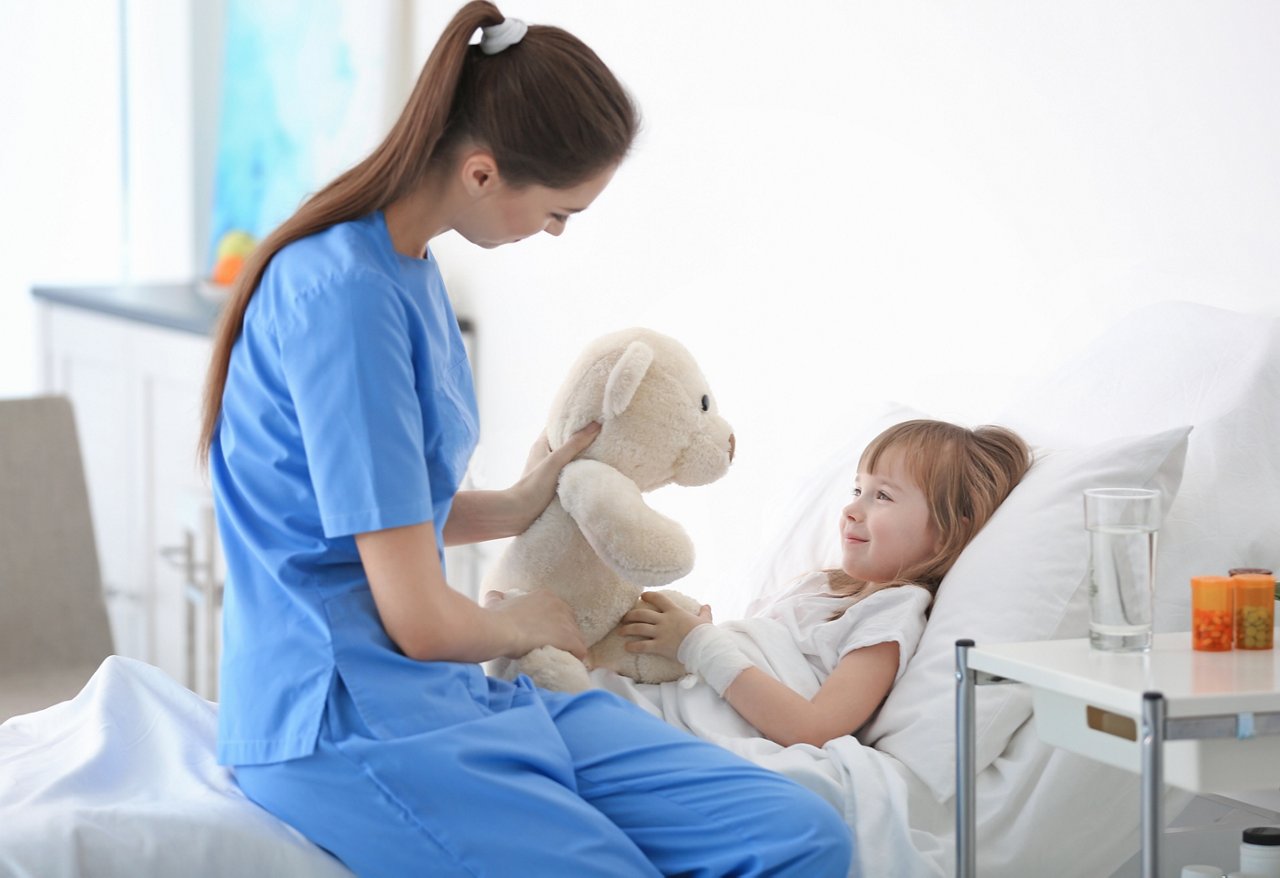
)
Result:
{"points": [[479, 172]]}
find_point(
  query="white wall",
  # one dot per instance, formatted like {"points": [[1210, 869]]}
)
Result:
{"points": [[98, 157], [836, 203], [60, 157], [831, 203]]}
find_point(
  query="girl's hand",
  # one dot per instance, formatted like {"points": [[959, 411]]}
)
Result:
{"points": [[661, 627], [542, 470], [538, 618]]}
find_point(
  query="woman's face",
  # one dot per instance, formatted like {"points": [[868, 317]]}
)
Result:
{"points": [[886, 528], [506, 214]]}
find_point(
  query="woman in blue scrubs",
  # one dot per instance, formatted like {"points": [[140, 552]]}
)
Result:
{"points": [[339, 421]]}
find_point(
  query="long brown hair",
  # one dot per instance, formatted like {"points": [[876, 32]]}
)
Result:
{"points": [[965, 476], [547, 108]]}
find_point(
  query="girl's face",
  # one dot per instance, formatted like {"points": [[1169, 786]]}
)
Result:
{"points": [[886, 528], [508, 215]]}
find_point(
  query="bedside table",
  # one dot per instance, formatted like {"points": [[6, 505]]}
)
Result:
{"points": [[1197, 720]]}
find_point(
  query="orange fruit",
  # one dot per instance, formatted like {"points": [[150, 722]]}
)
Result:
{"points": [[226, 269]]}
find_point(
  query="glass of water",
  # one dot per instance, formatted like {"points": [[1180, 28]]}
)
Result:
{"points": [[1122, 525]]}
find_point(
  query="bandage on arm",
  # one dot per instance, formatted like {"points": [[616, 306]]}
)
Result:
{"points": [[711, 653]]}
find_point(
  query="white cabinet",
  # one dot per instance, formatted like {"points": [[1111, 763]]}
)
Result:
{"points": [[136, 390], [133, 360]]}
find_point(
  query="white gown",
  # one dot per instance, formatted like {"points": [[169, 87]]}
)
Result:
{"points": [[792, 638]]}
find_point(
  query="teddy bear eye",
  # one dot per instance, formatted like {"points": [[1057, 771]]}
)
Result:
{"points": [[706, 403]]}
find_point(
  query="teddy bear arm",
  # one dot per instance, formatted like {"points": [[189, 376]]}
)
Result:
{"points": [[640, 544], [611, 652]]}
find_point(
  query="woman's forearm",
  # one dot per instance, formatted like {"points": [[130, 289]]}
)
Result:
{"points": [[422, 615], [492, 515], [429, 621], [478, 516], [456, 630]]}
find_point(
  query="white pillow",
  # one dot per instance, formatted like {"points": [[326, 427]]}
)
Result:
{"points": [[1021, 578], [1179, 363]]}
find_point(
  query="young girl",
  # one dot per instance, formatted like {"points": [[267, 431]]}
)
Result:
{"points": [[819, 660], [339, 421]]}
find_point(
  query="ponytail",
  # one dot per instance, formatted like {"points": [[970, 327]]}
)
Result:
{"points": [[549, 110]]}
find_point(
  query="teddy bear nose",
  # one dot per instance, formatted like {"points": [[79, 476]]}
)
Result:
{"points": [[732, 442]]}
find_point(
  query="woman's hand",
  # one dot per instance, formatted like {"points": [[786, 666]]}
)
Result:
{"points": [[492, 515], [538, 618], [661, 627], [542, 470]]}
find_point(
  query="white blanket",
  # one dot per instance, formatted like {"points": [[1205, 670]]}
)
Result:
{"points": [[122, 781], [869, 788]]}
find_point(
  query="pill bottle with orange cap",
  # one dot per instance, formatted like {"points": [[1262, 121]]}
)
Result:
{"points": [[1212, 613]]}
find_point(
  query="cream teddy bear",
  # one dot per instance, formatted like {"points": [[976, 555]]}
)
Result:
{"points": [[599, 545]]}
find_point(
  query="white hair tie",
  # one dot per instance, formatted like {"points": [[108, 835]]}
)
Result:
{"points": [[494, 39]]}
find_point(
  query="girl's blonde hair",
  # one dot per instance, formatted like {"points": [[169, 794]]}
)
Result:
{"points": [[547, 107], [965, 476]]}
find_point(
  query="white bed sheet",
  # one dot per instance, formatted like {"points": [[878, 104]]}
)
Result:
{"points": [[122, 781]]}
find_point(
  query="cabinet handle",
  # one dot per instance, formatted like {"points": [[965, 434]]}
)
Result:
{"points": [[181, 557], [116, 593], [176, 555], [184, 558]]}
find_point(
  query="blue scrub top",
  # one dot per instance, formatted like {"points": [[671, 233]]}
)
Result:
{"points": [[348, 408]]}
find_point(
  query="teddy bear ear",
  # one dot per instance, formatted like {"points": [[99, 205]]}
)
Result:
{"points": [[625, 378]]}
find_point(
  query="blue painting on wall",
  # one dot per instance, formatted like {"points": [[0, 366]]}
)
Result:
{"points": [[307, 87]]}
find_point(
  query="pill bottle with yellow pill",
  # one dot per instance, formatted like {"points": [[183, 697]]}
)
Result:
{"points": [[1255, 599]]}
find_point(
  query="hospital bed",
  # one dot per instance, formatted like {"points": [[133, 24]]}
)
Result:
{"points": [[121, 780]]}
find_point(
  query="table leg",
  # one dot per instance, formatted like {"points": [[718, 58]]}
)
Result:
{"points": [[966, 852], [1152, 751]]}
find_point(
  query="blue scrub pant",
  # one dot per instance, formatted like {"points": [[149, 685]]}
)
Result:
{"points": [[556, 785]]}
